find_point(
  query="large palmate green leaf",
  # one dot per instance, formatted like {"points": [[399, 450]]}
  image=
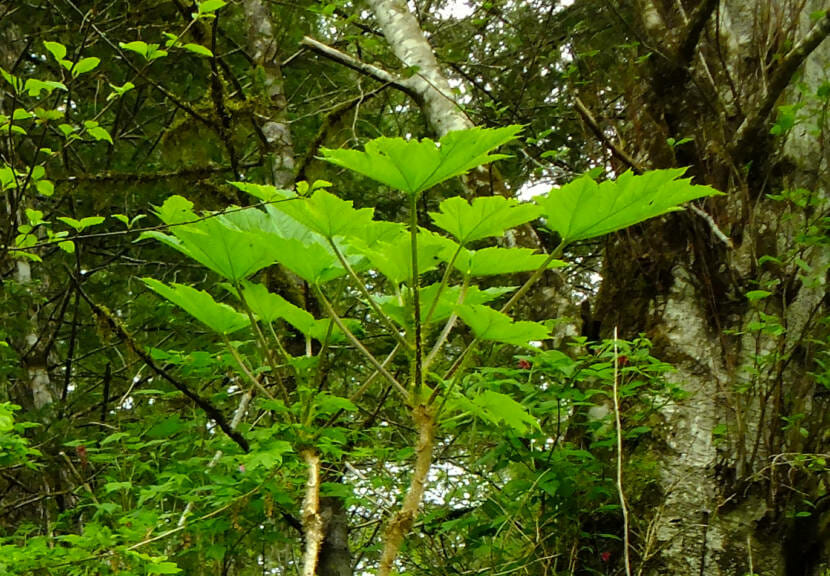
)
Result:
{"points": [[270, 307], [584, 209], [413, 166], [228, 243], [485, 217], [327, 214], [498, 408], [448, 301], [314, 263], [264, 192], [218, 317], [489, 324], [494, 261], [394, 259]]}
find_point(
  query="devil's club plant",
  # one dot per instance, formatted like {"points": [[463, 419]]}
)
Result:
{"points": [[398, 295]]}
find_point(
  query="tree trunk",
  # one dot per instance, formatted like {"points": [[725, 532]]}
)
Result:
{"points": [[271, 118], [728, 488]]}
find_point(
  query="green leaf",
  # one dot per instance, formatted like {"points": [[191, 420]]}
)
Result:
{"points": [[584, 209], [270, 307], [114, 437], [136, 46], [21, 114], [85, 65], [314, 263], [754, 295], [48, 116], [485, 217], [45, 187], [57, 49], [264, 192], [198, 49], [97, 132], [449, 299], [218, 317], [115, 486], [489, 324], [34, 87], [500, 407], [327, 214], [496, 261], [394, 259], [15, 82], [267, 456], [209, 6], [163, 568], [414, 166], [325, 403], [176, 210], [80, 225], [447, 302], [34, 217], [154, 53], [118, 91], [222, 242]]}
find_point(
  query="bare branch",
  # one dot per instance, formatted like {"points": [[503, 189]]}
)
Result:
{"points": [[787, 67], [369, 70], [621, 154], [691, 34], [210, 410]]}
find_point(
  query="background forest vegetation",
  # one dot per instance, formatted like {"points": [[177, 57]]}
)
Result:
{"points": [[691, 349]]}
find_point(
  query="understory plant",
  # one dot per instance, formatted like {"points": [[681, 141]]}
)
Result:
{"points": [[337, 336], [406, 301]]}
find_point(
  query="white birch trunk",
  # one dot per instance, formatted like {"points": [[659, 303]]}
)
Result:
{"points": [[407, 41]]}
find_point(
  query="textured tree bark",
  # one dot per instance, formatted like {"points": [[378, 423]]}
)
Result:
{"points": [[401, 523], [273, 125], [723, 497], [335, 554], [407, 41], [312, 522]]}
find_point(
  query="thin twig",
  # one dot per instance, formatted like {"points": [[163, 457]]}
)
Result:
{"points": [[618, 420], [115, 325], [237, 418]]}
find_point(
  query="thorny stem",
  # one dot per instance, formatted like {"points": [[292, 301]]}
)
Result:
{"points": [[444, 280], [416, 297], [445, 332], [245, 370], [400, 525], [557, 252], [263, 343]]}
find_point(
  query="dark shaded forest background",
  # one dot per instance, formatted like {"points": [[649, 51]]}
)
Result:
{"points": [[108, 432]]}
